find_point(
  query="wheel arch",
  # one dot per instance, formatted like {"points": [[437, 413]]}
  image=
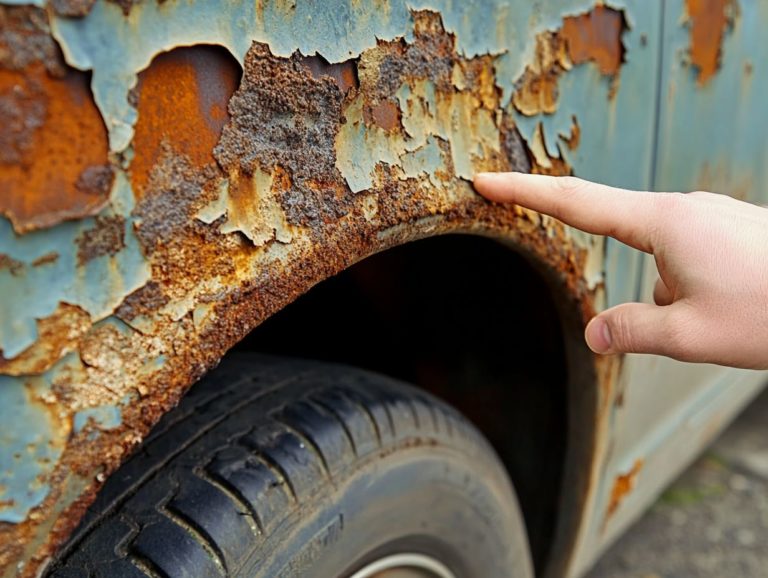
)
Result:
{"points": [[481, 322], [195, 248]]}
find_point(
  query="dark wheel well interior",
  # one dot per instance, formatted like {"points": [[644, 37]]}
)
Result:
{"points": [[467, 319]]}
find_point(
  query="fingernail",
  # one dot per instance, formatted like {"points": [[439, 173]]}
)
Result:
{"points": [[598, 336]]}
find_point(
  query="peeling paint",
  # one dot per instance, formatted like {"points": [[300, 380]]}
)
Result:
{"points": [[595, 36], [249, 161], [97, 287], [53, 146], [28, 454]]}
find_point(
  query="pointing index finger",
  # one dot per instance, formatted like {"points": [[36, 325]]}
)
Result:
{"points": [[628, 216]]}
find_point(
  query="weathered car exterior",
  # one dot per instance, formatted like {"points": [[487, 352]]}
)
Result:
{"points": [[173, 173]]}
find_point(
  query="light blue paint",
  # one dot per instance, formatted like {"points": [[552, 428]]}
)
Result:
{"points": [[30, 444], [116, 48], [721, 125], [617, 135], [424, 160], [34, 293], [615, 148], [103, 416]]}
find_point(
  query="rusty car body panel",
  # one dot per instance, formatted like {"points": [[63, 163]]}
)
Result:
{"points": [[173, 173]]}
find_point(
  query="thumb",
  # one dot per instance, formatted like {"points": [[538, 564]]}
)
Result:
{"points": [[632, 328]]}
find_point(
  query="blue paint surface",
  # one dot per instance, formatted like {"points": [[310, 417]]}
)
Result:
{"points": [[97, 286], [103, 417], [30, 445]]}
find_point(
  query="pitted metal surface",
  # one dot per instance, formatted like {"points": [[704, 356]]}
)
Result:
{"points": [[211, 174]]}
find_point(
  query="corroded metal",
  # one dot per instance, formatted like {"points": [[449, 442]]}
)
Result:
{"points": [[211, 174], [708, 22], [53, 146]]}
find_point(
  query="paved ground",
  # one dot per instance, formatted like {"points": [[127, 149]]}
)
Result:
{"points": [[713, 522]]}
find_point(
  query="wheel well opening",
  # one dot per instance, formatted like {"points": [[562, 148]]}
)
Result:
{"points": [[467, 319]]}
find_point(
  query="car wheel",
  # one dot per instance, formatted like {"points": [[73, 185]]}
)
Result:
{"points": [[275, 467]]}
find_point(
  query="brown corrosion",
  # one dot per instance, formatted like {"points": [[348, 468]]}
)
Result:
{"points": [[50, 257], [182, 105], [538, 90], [594, 36], [13, 265], [343, 73], [542, 163], [53, 140], [58, 334], [573, 139], [72, 8], [709, 20], [126, 5], [211, 284], [106, 237], [622, 486], [284, 116], [385, 114]]}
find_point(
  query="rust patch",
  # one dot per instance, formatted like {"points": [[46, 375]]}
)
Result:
{"points": [[13, 265], [537, 91], [542, 163], [385, 114], [53, 137], [622, 486], [107, 237], [58, 334], [96, 180], [175, 189], [343, 73], [182, 106], [282, 116], [709, 20], [25, 39], [72, 8], [46, 259], [126, 5], [594, 36], [210, 288], [573, 139], [143, 301]]}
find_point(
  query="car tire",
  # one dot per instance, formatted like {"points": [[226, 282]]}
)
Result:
{"points": [[274, 467]]}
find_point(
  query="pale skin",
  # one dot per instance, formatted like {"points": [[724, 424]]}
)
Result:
{"points": [[711, 252]]}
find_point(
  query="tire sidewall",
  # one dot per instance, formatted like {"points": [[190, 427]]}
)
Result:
{"points": [[428, 499]]}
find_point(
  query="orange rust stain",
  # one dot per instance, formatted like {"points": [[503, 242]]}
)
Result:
{"points": [[590, 37], [344, 74], [708, 22], [54, 141], [596, 37], [58, 334], [538, 88], [386, 115], [623, 485], [573, 139], [182, 102]]}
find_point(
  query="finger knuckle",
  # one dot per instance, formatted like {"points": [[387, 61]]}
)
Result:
{"points": [[624, 338]]}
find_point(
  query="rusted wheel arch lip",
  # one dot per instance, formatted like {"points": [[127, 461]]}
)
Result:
{"points": [[583, 388]]}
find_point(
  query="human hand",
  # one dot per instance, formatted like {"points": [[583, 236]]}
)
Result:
{"points": [[711, 252]]}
